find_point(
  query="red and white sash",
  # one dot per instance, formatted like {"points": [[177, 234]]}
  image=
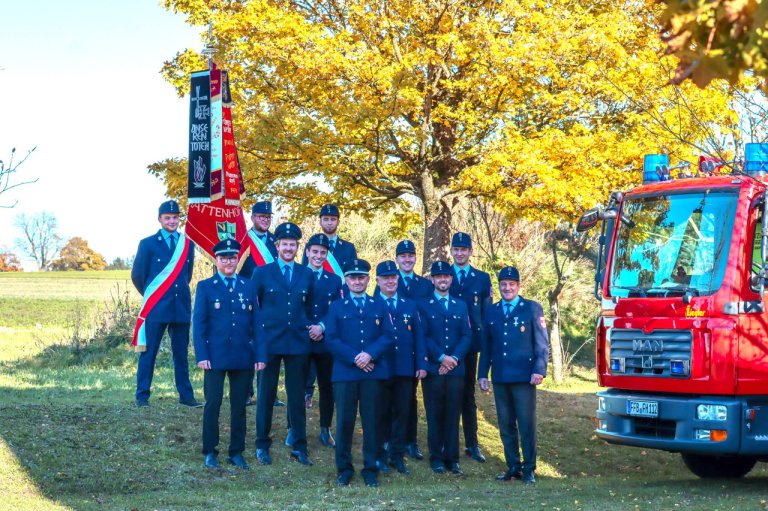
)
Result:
{"points": [[157, 289], [259, 250], [332, 265]]}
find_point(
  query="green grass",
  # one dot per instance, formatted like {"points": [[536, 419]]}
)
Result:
{"points": [[71, 438]]}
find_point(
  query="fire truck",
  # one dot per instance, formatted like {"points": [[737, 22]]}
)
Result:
{"points": [[682, 336]]}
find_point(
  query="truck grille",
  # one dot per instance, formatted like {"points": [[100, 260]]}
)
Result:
{"points": [[650, 354]]}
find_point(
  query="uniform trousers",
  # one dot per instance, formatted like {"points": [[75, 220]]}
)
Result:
{"points": [[179, 334], [394, 412], [349, 396], [442, 400], [213, 386], [468, 405], [323, 362], [516, 413], [411, 437], [295, 372]]}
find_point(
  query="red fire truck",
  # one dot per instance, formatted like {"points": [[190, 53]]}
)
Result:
{"points": [[682, 338]]}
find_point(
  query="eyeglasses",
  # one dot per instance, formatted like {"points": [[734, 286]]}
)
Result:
{"points": [[226, 259]]}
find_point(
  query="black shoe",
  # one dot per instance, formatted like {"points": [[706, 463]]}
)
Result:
{"points": [[528, 478], [509, 475], [437, 467], [455, 469], [326, 438], [251, 401], [372, 481], [289, 438], [141, 403], [238, 461], [414, 452], [344, 478], [211, 461], [263, 456], [301, 457], [474, 453], [382, 466], [191, 402], [278, 402], [399, 465]]}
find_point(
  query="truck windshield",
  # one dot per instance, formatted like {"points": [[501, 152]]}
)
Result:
{"points": [[673, 244]]}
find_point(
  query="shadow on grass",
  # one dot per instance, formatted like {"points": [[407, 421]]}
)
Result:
{"points": [[83, 443]]}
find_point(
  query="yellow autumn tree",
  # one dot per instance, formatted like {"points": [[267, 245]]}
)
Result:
{"points": [[540, 107]]}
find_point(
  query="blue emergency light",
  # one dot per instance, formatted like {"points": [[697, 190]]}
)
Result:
{"points": [[655, 166], [755, 158]]}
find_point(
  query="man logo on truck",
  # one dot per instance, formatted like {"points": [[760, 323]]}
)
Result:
{"points": [[652, 345]]}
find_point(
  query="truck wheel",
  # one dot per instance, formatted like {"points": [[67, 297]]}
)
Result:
{"points": [[706, 467]]}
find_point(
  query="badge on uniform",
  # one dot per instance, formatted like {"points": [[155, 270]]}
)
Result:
{"points": [[217, 305], [243, 306], [476, 298], [378, 321], [522, 328], [250, 306]]}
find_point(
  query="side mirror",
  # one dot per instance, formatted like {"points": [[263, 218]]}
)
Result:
{"points": [[588, 220]]}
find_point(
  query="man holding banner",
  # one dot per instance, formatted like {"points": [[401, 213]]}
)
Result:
{"points": [[260, 241], [161, 272]]}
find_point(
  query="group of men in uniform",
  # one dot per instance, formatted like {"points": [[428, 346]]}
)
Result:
{"points": [[369, 351]]}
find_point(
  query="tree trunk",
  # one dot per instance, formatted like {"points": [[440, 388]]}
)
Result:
{"points": [[555, 342], [438, 213]]}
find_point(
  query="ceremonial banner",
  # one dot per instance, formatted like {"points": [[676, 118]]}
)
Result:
{"points": [[199, 169], [217, 181], [234, 190], [157, 288], [207, 224]]}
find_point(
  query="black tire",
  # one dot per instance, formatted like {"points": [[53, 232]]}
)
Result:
{"points": [[731, 467]]}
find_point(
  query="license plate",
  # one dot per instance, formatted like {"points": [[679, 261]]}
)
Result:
{"points": [[642, 408]]}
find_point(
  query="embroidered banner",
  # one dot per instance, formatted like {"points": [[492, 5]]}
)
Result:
{"points": [[199, 163], [234, 189], [157, 288], [207, 224]]}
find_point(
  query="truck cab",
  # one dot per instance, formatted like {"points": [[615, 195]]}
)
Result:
{"points": [[682, 337]]}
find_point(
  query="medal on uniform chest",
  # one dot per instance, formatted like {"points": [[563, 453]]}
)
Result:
{"points": [[522, 328], [516, 323], [250, 306], [476, 298], [378, 321], [243, 306], [242, 300], [217, 305]]}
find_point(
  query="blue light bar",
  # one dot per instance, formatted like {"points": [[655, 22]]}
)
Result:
{"points": [[680, 367], [617, 365], [651, 164], [756, 157]]}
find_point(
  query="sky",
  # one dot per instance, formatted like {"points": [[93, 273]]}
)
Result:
{"points": [[80, 81]]}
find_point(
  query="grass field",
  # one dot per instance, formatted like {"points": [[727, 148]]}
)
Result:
{"points": [[71, 438]]}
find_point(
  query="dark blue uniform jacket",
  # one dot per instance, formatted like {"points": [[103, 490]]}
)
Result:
{"points": [[446, 332]]}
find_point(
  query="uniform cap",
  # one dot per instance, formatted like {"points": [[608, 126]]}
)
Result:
{"points": [[319, 239], [288, 230], [263, 207], [405, 247], [169, 206], [509, 273], [441, 268], [329, 210], [357, 267], [386, 268], [461, 239], [227, 247]]}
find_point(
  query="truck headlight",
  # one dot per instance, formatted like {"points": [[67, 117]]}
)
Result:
{"points": [[706, 412]]}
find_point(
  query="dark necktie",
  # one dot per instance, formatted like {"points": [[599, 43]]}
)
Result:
{"points": [[317, 274], [508, 308], [172, 242], [391, 303], [230, 283], [263, 238], [359, 302], [407, 281], [287, 273], [444, 303], [462, 275], [331, 245]]}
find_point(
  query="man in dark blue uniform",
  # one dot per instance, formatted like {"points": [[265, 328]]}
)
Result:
{"points": [[417, 288], [473, 287], [515, 349], [174, 309], [261, 217], [327, 290], [406, 362], [339, 252], [448, 338], [284, 290], [359, 333], [224, 332]]}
